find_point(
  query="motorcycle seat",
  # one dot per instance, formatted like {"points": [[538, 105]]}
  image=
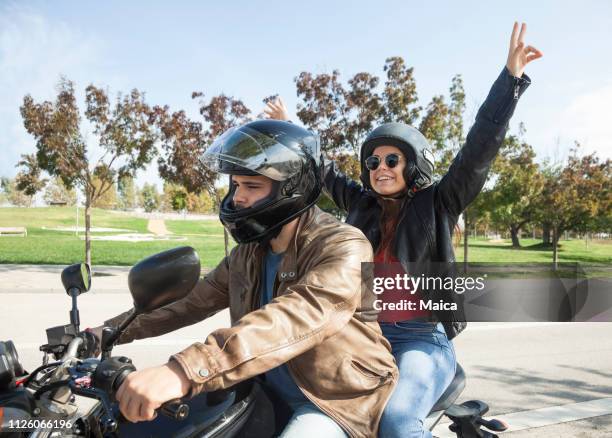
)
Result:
{"points": [[452, 392]]}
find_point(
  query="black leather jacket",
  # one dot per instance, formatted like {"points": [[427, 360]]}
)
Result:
{"points": [[425, 228]]}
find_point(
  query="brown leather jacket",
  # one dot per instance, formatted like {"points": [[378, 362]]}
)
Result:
{"points": [[318, 323]]}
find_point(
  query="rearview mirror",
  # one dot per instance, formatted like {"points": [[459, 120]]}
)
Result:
{"points": [[163, 278], [77, 276]]}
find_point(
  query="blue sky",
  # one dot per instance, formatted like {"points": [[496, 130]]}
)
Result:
{"points": [[253, 49]]}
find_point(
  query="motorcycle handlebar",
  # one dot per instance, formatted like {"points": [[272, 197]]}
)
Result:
{"points": [[175, 409]]}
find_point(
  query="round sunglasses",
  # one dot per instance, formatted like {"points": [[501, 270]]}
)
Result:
{"points": [[391, 160]]}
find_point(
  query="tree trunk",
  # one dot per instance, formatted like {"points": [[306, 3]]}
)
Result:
{"points": [[546, 233], [555, 239], [514, 230], [87, 228]]}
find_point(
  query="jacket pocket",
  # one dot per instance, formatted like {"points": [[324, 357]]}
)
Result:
{"points": [[369, 372]]}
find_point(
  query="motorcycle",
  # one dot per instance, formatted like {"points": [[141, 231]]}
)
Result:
{"points": [[72, 393]]}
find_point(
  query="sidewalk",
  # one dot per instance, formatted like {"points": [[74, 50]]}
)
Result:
{"points": [[47, 279]]}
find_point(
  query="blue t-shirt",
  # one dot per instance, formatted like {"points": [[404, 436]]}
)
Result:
{"points": [[277, 378]]}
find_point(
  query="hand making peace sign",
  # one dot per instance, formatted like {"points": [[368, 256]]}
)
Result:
{"points": [[519, 55]]}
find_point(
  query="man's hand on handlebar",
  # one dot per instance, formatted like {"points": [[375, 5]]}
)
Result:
{"points": [[91, 342], [142, 392]]}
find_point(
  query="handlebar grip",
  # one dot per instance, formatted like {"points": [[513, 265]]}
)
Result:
{"points": [[174, 409]]}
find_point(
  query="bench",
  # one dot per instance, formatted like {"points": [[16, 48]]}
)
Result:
{"points": [[13, 231]]}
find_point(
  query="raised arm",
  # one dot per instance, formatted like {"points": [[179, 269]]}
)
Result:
{"points": [[468, 171]]}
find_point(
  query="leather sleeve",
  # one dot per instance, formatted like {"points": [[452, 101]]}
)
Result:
{"points": [[209, 296], [341, 189], [326, 296], [468, 172]]}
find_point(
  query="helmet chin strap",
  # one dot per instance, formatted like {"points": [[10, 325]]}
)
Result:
{"points": [[265, 240]]}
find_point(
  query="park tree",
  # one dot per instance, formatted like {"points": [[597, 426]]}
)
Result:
{"points": [[123, 133], [56, 192], [512, 201], [183, 141], [126, 191], [174, 197], [14, 195], [28, 181], [576, 195], [4, 183], [149, 198], [399, 96], [108, 199], [201, 202], [434, 126]]}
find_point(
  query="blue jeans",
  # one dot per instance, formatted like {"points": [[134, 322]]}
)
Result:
{"points": [[308, 421], [427, 363]]}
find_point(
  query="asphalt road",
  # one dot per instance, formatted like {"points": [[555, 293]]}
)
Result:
{"points": [[545, 379]]}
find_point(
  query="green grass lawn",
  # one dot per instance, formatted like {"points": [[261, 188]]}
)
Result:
{"points": [[532, 250], [46, 246]]}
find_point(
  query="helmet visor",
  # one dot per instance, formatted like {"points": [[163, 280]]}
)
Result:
{"points": [[254, 151]]}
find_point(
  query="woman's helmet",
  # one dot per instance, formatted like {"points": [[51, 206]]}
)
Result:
{"points": [[281, 151], [418, 172]]}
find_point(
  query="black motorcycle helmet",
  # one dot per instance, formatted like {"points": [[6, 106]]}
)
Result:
{"points": [[281, 151], [418, 172]]}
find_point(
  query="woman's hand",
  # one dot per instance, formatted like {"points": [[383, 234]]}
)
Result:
{"points": [[276, 110], [519, 55]]}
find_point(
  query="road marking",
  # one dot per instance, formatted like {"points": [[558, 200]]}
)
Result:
{"points": [[544, 416]]}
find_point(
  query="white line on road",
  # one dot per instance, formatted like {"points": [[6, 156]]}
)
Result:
{"points": [[544, 416]]}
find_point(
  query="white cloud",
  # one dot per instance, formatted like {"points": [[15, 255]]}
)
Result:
{"points": [[34, 52], [588, 119]]}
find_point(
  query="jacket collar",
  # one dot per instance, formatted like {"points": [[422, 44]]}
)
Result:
{"points": [[288, 269]]}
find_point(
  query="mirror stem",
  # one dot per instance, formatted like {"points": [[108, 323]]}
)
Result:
{"points": [[74, 312], [110, 335]]}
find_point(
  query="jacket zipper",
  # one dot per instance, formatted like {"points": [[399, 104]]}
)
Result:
{"points": [[516, 88], [501, 112]]}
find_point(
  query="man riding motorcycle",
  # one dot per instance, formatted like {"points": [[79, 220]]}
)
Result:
{"points": [[294, 289]]}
